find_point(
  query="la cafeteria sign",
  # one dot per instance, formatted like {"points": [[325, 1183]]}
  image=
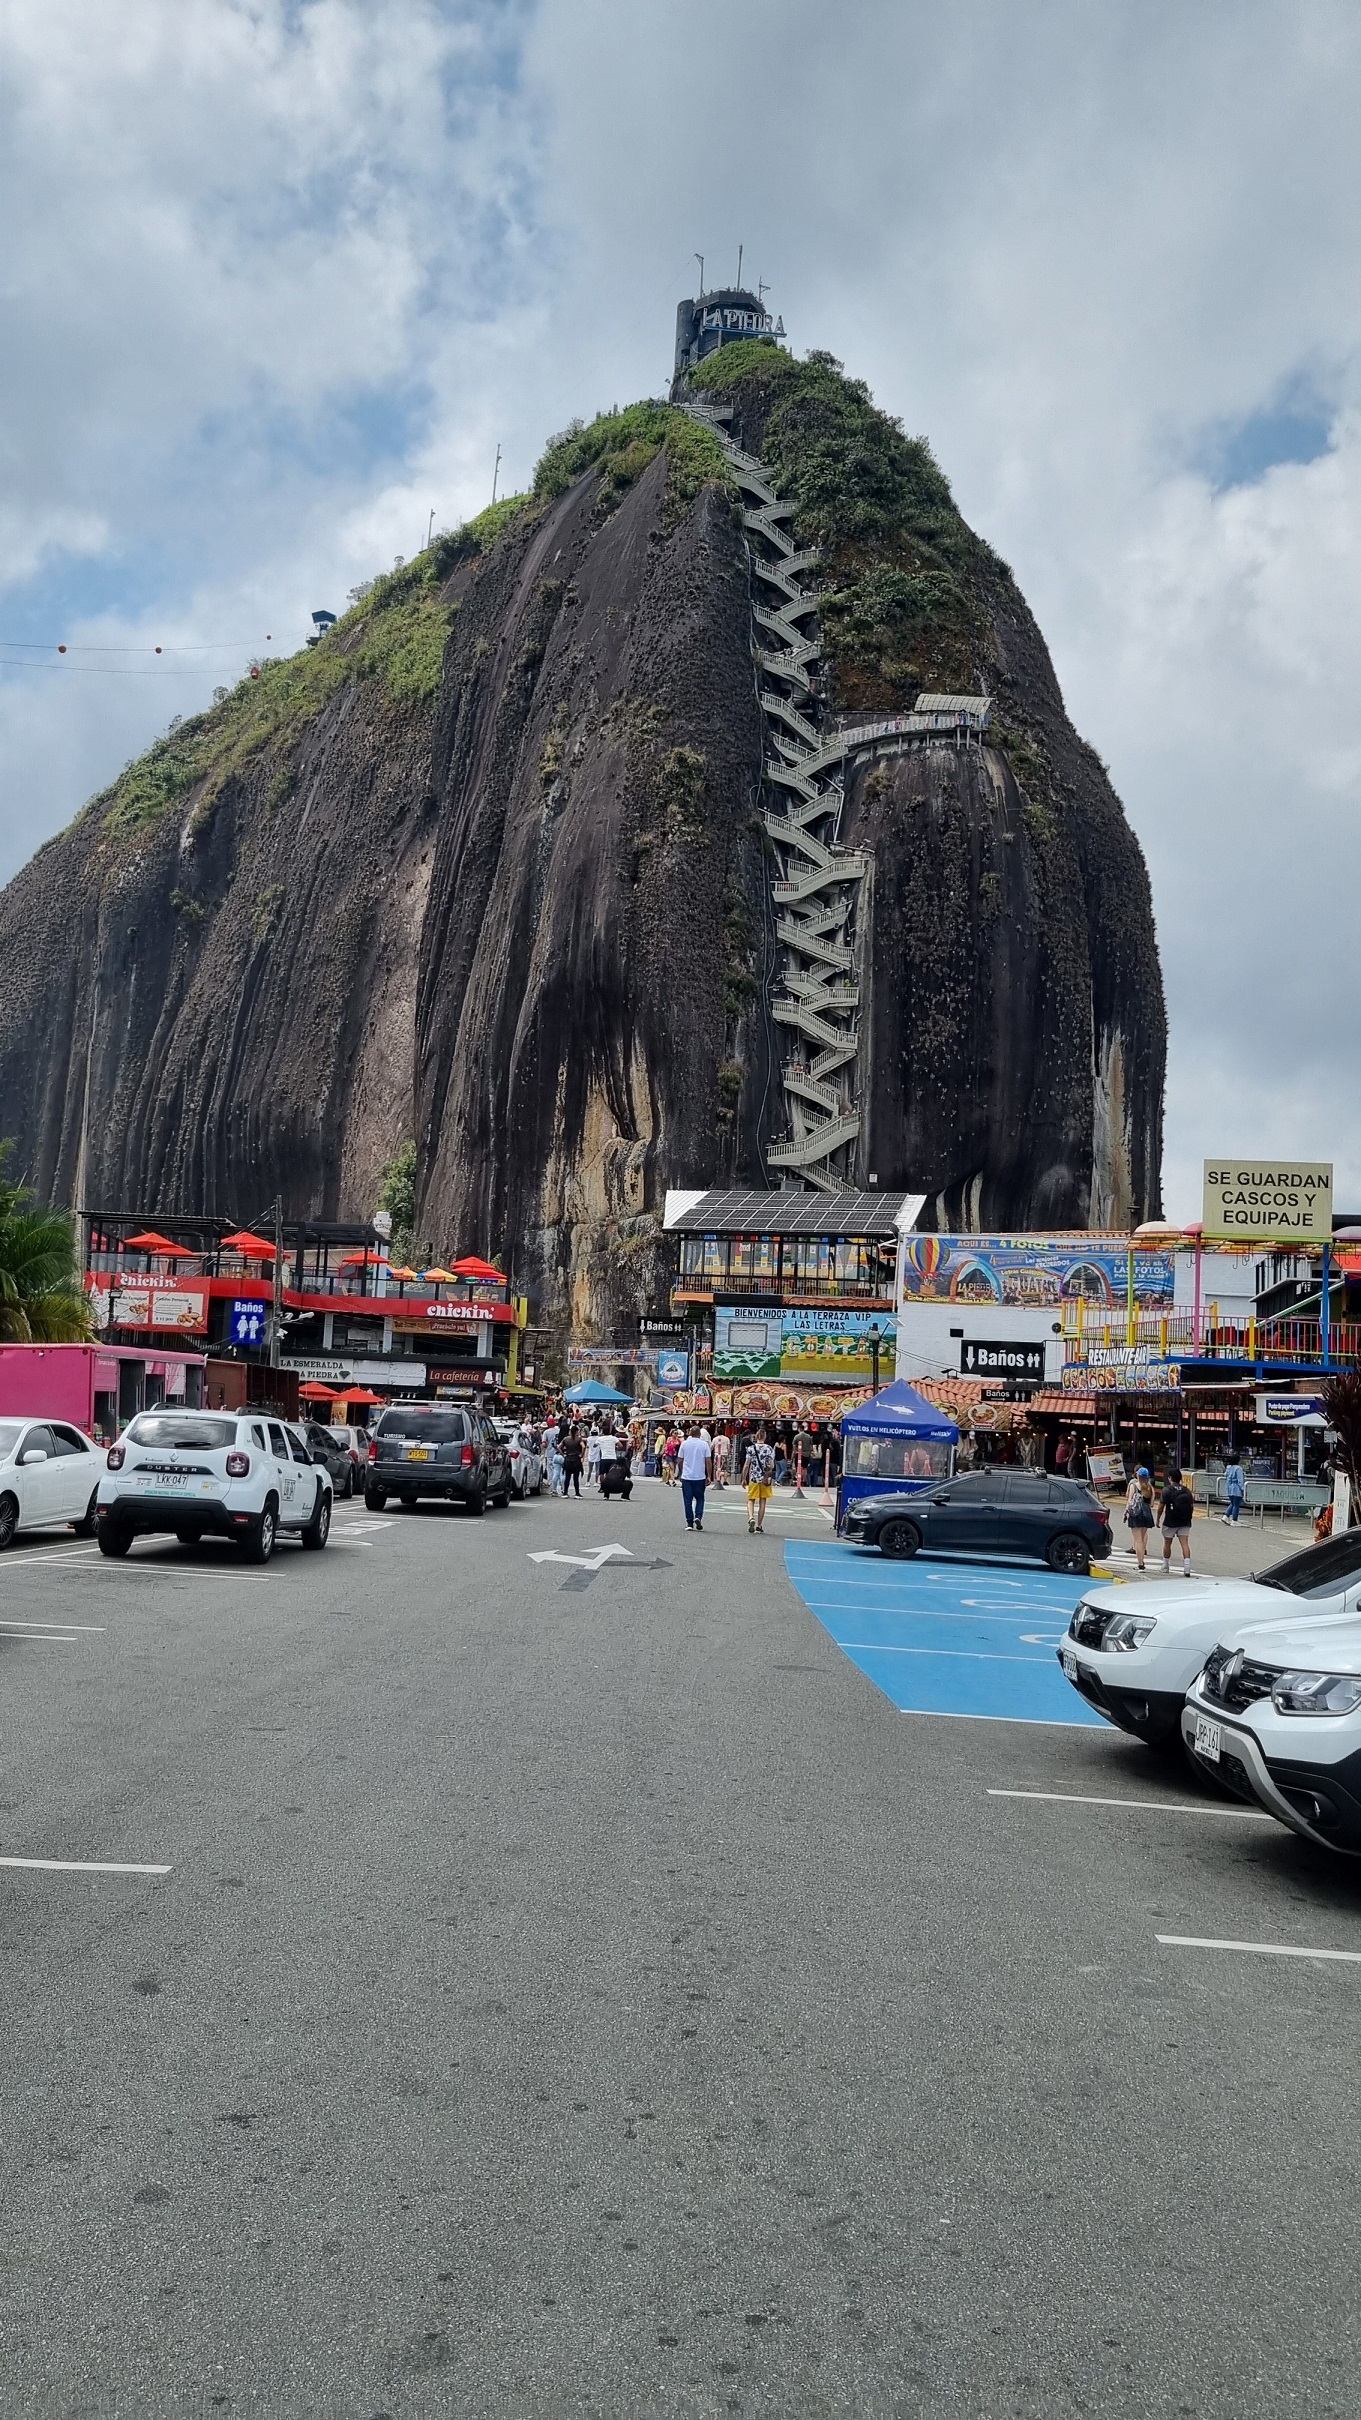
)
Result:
{"points": [[1268, 1201]]}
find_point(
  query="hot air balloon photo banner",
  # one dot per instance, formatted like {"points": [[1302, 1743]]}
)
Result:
{"points": [[1031, 1272]]}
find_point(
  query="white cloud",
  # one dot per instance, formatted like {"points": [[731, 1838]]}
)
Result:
{"points": [[290, 273]]}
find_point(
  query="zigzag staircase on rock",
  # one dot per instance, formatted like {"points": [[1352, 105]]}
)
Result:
{"points": [[817, 891]]}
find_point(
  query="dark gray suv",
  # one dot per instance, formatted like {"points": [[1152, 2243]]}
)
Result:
{"points": [[424, 1449]]}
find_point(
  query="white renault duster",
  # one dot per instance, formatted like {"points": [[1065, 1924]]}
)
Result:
{"points": [[1133, 1652], [1276, 1716], [242, 1475]]}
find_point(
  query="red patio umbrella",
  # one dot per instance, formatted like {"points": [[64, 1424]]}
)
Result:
{"points": [[356, 1394], [250, 1247], [151, 1242], [360, 1260], [317, 1393], [473, 1267]]}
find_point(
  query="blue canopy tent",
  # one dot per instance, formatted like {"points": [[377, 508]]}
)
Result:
{"points": [[591, 1391], [894, 1444]]}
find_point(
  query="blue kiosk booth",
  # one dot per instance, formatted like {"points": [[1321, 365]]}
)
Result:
{"points": [[896, 1444]]}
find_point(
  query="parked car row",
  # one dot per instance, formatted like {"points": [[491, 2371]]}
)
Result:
{"points": [[1264, 1695], [249, 1475]]}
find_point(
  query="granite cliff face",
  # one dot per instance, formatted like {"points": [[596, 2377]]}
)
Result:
{"points": [[486, 869]]}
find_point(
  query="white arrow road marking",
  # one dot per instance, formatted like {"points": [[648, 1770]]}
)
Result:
{"points": [[590, 1562]]}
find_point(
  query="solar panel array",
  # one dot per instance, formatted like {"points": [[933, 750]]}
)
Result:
{"points": [[791, 1212]]}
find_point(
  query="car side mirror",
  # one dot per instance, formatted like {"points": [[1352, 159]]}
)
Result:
{"points": [[36, 1453]]}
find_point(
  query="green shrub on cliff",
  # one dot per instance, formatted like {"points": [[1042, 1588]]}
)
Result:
{"points": [[622, 444], [900, 614], [395, 636]]}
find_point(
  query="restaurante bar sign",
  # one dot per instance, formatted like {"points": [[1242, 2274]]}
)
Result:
{"points": [[1268, 1201]]}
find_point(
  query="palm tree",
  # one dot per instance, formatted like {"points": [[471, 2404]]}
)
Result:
{"points": [[42, 1300]]}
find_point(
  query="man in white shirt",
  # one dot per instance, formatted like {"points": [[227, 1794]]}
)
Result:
{"points": [[694, 1470]]}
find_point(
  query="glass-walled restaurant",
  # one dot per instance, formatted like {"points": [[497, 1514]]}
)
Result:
{"points": [[858, 1268]]}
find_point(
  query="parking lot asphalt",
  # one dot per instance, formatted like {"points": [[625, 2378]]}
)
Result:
{"points": [[572, 1986]]}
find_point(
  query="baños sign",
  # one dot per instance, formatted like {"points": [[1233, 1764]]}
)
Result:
{"points": [[1268, 1201]]}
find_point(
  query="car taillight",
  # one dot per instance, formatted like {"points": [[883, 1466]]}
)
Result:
{"points": [[373, 1449], [116, 1457], [467, 1456], [238, 1465]]}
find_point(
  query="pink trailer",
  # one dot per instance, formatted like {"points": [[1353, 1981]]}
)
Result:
{"points": [[97, 1387]]}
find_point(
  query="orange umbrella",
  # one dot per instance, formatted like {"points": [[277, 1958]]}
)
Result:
{"points": [[151, 1242], [361, 1260], [404, 1277], [317, 1393], [356, 1394], [250, 1247], [473, 1267]]}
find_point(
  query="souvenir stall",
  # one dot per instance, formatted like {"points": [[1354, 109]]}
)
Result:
{"points": [[895, 1443]]}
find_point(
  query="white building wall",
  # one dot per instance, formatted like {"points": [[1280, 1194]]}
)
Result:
{"points": [[930, 1335]]}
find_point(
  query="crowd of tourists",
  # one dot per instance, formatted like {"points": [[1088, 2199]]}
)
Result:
{"points": [[600, 1454]]}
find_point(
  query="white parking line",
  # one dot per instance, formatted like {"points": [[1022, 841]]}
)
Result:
{"points": [[1257, 1949], [64, 1626], [1164, 1806], [54, 1556], [80, 1865]]}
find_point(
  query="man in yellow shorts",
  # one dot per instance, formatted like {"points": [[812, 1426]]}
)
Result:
{"points": [[758, 1470]]}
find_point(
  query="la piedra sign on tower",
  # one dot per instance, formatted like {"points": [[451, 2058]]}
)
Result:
{"points": [[1268, 1201]]}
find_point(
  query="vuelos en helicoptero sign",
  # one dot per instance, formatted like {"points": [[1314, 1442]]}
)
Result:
{"points": [[1268, 1201]]}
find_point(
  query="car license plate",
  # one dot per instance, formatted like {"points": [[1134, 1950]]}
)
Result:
{"points": [[1208, 1738], [418, 1453], [1069, 1662]]}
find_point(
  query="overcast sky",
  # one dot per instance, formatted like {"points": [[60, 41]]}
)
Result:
{"points": [[280, 275]]}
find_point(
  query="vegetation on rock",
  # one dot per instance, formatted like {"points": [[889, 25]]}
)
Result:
{"points": [[901, 612], [622, 444]]}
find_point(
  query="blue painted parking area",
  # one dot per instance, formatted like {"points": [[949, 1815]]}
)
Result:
{"points": [[946, 1638]]}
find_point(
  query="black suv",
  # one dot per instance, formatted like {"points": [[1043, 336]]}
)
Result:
{"points": [[987, 1512], [422, 1449]]}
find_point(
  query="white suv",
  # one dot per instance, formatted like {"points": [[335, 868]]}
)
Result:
{"points": [[242, 1475], [1276, 1716], [1134, 1652]]}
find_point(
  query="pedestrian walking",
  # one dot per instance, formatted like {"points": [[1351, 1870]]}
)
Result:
{"points": [[554, 1452], [572, 1457], [1063, 1455], [695, 1453], [1139, 1513], [670, 1455], [1235, 1489], [722, 1457], [1178, 1512], [758, 1472]]}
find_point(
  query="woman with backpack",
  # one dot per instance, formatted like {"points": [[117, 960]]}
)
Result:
{"points": [[1139, 1513]]}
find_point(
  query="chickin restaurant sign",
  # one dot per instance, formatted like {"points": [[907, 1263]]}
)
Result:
{"points": [[1268, 1201]]}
